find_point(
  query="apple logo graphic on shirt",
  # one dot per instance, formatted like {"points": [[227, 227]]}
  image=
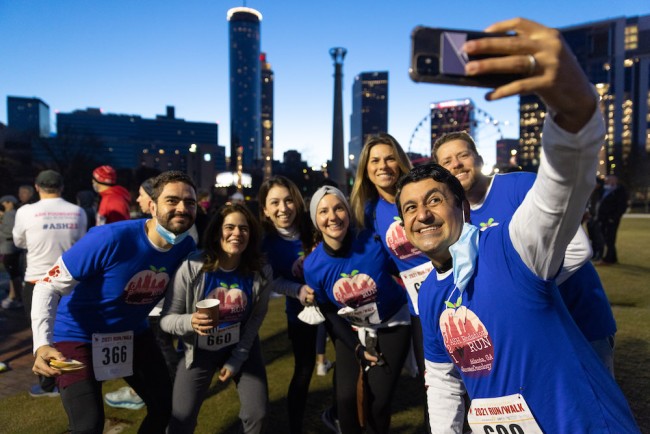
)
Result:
{"points": [[490, 223], [355, 289], [397, 242], [232, 301], [467, 341], [146, 286]]}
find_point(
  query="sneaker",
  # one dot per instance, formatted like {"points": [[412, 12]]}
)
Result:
{"points": [[36, 391], [330, 421], [124, 397], [10, 303], [322, 368]]}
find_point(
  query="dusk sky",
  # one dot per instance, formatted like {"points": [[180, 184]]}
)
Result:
{"points": [[136, 57]]}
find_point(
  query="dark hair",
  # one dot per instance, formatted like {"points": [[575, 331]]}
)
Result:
{"points": [[160, 181], [456, 135], [302, 220], [430, 171], [251, 258], [147, 186]]}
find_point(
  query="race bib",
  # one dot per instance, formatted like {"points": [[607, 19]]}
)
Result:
{"points": [[362, 315], [413, 278], [112, 355], [220, 338], [505, 415]]}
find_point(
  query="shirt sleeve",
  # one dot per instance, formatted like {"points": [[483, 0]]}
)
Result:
{"points": [[47, 293], [18, 231], [549, 216], [445, 402]]}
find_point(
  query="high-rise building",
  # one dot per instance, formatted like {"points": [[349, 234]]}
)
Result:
{"points": [[615, 54], [369, 110], [507, 150], [451, 116], [128, 141], [245, 86], [267, 116], [29, 116]]}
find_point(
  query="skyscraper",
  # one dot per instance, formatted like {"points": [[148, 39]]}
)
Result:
{"points": [[451, 116], [615, 54], [267, 115], [30, 116], [369, 109], [245, 85]]}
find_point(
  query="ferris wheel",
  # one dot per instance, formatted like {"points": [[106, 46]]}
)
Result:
{"points": [[484, 128]]}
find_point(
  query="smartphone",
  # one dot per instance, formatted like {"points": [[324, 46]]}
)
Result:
{"points": [[437, 56]]}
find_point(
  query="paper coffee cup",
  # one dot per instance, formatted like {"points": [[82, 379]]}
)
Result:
{"points": [[209, 306]]}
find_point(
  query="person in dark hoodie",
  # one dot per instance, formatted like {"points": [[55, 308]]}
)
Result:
{"points": [[86, 200], [115, 199]]}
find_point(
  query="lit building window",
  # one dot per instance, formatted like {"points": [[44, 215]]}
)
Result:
{"points": [[631, 37]]}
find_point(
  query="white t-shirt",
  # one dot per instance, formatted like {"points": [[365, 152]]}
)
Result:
{"points": [[46, 229]]}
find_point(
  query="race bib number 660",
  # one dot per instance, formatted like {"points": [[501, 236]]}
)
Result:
{"points": [[112, 355]]}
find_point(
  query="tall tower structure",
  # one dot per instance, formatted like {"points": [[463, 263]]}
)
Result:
{"points": [[369, 110], [337, 166], [267, 116], [245, 86]]}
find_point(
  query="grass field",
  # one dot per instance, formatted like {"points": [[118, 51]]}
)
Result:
{"points": [[626, 284]]}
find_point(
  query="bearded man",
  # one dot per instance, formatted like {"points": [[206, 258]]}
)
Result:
{"points": [[92, 307]]}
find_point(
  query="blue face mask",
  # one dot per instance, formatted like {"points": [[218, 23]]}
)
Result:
{"points": [[463, 255], [170, 237]]}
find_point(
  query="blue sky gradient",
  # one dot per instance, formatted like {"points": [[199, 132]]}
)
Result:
{"points": [[136, 57]]}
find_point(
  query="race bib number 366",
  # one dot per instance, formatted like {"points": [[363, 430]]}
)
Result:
{"points": [[112, 355]]}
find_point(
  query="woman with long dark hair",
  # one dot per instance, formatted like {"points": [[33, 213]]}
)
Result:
{"points": [[288, 237], [229, 269]]}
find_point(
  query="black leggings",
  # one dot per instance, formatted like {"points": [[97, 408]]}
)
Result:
{"points": [[83, 403], [381, 381], [418, 350], [303, 344]]}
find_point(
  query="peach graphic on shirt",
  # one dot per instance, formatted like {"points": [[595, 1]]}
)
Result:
{"points": [[397, 242], [146, 286], [232, 302], [467, 341], [355, 289]]}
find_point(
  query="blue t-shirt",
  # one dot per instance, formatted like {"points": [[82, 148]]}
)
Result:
{"points": [[386, 222], [360, 279], [282, 254], [582, 292], [121, 278], [234, 293], [513, 335]]}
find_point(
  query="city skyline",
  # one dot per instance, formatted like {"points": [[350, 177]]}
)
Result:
{"points": [[136, 58]]}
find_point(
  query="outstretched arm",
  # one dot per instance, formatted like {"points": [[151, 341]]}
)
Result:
{"points": [[574, 130]]}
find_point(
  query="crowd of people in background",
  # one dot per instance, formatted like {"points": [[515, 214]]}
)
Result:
{"points": [[484, 281]]}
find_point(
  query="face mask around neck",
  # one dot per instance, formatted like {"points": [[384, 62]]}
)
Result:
{"points": [[464, 253], [170, 237]]}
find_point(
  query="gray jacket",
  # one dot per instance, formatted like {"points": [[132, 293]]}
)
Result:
{"points": [[7, 245], [187, 287]]}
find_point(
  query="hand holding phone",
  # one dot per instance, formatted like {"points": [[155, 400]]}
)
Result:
{"points": [[437, 56]]}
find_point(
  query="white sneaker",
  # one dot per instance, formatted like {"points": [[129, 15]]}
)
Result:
{"points": [[124, 397], [322, 368]]}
